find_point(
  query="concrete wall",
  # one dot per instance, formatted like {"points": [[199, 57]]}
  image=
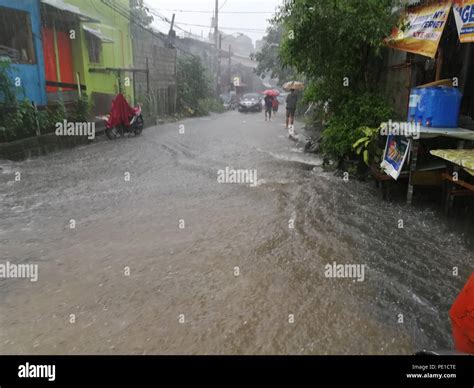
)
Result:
{"points": [[162, 76], [31, 75]]}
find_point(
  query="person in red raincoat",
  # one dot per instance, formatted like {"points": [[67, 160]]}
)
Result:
{"points": [[121, 112], [462, 318]]}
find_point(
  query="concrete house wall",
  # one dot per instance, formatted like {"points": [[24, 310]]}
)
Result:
{"points": [[103, 86]]}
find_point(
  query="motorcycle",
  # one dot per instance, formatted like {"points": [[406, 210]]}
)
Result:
{"points": [[123, 119]]}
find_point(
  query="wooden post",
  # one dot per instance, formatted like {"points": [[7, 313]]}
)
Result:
{"points": [[38, 130], [439, 64], [147, 77], [414, 159], [78, 79]]}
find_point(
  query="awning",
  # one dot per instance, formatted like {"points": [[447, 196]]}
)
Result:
{"points": [[72, 9], [98, 34], [463, 158]]}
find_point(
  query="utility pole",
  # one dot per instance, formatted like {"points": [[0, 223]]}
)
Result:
{"points": [[216, 39], [219, 65], [230, 68]]}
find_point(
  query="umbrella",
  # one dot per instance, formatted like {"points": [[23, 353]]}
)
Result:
{"points": [[272, 92], [297, 85]]}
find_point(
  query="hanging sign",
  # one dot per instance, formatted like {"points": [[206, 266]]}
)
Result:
{"points": [[396, 153], [420, 28], [464, 16]]}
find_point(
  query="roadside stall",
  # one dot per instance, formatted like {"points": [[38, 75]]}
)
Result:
{"points": [[431, 143]]}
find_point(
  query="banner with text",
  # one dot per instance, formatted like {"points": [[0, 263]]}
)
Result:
{"points": [[420, 28], [464, 15]]}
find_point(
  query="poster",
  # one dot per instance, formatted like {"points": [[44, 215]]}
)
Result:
{"points": [[464, 16], [396, 152], [420, 28]]}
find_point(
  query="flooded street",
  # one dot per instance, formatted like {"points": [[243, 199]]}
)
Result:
{"points": [[214, 268]]}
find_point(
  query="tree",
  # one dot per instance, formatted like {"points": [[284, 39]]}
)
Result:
{"points": [[268, 57], [337, 45], [140, 13], [336, 42], [193, 85]]}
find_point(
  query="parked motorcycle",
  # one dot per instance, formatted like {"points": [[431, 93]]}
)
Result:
{"points": [[123, 119]]}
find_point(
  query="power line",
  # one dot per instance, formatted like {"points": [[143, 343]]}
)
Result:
{"points": [[166, 20], [225, 28], [127, 15], [212, 12], [222, 6]]}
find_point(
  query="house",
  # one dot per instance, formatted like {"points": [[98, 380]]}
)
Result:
{"points": [[20, 41], [60, 48], [102, 51]]}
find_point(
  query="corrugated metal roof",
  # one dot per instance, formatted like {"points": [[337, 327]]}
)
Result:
{"points": [[64, 7]]}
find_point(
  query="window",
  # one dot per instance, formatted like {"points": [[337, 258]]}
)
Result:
{"points": [[16, 38], [94, 46]]}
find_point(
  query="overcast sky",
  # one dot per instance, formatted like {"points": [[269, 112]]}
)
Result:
{"points": [[247, 16]]}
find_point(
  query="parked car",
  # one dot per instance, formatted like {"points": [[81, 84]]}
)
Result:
{"points": [[250, 102]]}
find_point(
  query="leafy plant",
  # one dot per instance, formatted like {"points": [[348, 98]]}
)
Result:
{"points": [[193, 86], [7, 89], [82, 109], [347, 127], [363, 145], [343, 78]]}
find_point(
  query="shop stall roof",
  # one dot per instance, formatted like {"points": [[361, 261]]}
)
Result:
{"points": [[72, 9]]}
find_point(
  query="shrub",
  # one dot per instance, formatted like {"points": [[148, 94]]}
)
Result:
{"points": [[344, 129]]}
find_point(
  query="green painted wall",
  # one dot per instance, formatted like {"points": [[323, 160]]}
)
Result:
{"points": [[117, 54]]}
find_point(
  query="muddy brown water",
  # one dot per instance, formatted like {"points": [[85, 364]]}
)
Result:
{"points": [[182, 295]]}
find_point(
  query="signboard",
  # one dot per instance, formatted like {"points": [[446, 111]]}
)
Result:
{"points": [[396, 153], [420, 28], [236, 81], [464, 16]]}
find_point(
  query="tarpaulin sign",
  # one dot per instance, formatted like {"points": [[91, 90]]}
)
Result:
{"points": [[396, 152], [464, 15], [420, 28]]}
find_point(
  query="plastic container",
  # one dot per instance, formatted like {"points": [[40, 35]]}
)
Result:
{"points": [[413, 104], [438, 106]]}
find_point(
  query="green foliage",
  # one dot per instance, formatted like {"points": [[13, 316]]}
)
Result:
{"points": [[140, 13], [347, 127], [20, 121], [193, 86], [207, 105], [337, 45], [366, 145], [82, 109], [7, 89], [329, 40], [268, 57], [50, 116]]}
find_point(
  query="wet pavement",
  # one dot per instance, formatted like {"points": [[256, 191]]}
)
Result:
{"points": [[173, 262]]}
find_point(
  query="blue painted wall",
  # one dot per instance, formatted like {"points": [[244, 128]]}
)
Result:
{"points": [[32, 76]]}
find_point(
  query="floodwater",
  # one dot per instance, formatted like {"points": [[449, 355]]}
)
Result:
{"points": [[173, 262]]}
